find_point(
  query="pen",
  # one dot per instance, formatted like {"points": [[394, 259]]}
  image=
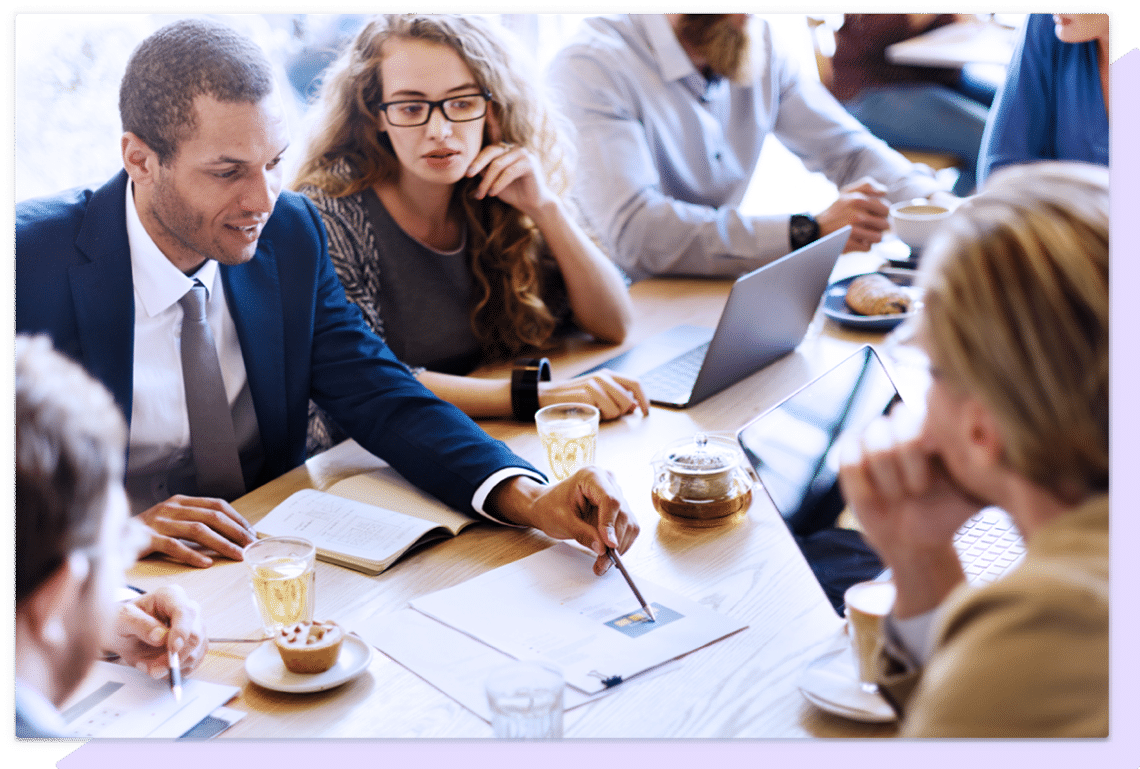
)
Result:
{"points": [[175, 674], [621, 567]]}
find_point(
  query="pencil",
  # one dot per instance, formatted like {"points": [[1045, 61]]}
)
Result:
{"points": [[621, 567], [175, 674]]}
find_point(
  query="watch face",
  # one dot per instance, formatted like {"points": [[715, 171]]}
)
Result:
{"points": [[803, 230]]}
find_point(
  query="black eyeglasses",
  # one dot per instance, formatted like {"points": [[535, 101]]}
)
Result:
{"points": [[457, 109]]}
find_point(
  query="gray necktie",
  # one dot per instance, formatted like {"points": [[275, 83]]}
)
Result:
{"points": [[212, 440]]}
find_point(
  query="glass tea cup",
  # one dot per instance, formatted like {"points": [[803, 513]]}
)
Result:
{"points": [[569, 433], [282, 574]]}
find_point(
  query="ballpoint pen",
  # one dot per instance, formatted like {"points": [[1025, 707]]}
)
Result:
{"points": [[621, 567], [175, 674]]}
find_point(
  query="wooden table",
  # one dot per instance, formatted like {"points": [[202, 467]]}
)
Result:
{"points": [[743, 686], [957, 45]]}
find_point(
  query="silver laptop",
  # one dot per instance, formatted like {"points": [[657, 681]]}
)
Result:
{"points": [[793, 446], [766, 315]]}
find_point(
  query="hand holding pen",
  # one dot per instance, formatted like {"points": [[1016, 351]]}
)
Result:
{"points": [[629, 580], [160, 633]]}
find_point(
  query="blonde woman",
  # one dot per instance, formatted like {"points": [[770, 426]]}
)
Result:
{"points": [[438, 171], [1016, 328]]}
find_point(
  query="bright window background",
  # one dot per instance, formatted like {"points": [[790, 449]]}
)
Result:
{"points": [[68, 67]]}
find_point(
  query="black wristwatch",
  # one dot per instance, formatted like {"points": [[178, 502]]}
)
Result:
{"points": [[528, 372], [803, 229]]}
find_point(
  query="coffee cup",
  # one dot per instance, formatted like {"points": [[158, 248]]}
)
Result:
{"points": [[867, 603], [915, 221]]}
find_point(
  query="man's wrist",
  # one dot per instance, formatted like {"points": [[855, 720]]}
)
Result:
{"points": [[513, 499]]}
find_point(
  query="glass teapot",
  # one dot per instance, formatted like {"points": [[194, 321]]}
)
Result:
{"points": [[702, 481]]}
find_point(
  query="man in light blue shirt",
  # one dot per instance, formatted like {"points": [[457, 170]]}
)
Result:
{"points": [[671, 111]]}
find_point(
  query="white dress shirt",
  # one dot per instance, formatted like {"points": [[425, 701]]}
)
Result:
{"points": [[159, 460], [160, 463], [665, 155], [912, 639]]}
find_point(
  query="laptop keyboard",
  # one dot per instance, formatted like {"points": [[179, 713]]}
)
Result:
{"points": [[988, 545], [674, 379]]}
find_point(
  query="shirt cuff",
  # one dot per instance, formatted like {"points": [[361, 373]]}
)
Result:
{"points": [[912, 635], [494, 480]]}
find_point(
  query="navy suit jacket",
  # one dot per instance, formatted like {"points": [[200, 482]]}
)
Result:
{"points": [[300, 338]]}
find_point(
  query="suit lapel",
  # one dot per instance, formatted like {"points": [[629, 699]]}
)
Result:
{"points": [[102, 291], [254, 294]]}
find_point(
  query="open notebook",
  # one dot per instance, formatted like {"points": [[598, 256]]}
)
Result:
{"points": [[366, 521]]}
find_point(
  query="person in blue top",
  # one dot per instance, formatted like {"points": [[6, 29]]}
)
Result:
{"points": [[1054, 103]]}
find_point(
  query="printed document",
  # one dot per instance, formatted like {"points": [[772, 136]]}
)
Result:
{"points": [[116, 701], [550, 606]]}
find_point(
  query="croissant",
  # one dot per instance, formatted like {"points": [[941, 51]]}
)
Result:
{"points": [[876, 294]]}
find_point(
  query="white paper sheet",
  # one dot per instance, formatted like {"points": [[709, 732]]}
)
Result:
{"points": [[116, 701], [551, 606], [452, 662]]}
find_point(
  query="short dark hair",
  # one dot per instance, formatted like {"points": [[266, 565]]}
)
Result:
{"points": [[180, 62], [70, 442]]}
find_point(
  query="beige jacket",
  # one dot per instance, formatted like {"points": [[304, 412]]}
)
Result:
{"points": [[1026, 656]]}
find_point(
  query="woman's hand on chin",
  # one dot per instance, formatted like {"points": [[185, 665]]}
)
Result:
{"points": [[513, 175]]}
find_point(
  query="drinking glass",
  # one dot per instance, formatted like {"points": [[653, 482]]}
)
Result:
{"points": [[867, 604], [569, 433], [282, 573], [526, 701]]}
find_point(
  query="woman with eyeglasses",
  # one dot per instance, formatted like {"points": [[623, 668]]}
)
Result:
{"points": [[438, 170]]}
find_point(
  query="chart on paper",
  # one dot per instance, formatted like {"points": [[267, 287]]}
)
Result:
{"points": [[115, 701]]}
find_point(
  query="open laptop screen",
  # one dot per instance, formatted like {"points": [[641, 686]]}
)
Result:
{"points": [[794, 446]]}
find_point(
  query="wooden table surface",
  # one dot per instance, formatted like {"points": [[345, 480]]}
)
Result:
{"points": [[742, 686]]}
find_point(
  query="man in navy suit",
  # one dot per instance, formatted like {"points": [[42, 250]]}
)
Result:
{"points": [[103, 271]]}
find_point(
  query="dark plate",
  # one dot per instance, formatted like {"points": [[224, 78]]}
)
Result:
{"points": [[835, 303]]}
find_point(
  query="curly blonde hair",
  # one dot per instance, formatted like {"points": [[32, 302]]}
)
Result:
{"points": [[347, 154]]}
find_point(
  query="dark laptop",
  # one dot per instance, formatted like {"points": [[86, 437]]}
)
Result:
{"points": [[793, 448], [766, 315]]}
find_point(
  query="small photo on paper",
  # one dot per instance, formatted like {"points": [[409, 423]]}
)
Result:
{"points": [[637, 623]]}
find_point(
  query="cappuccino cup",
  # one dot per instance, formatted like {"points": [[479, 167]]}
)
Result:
{"points": [[867, 604], [915, 221]]}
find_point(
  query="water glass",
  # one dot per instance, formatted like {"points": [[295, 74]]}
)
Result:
{"points": [[526, 701]]}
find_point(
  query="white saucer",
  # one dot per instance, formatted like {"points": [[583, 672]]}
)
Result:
{"points": [[265, 668], [830, 684]]}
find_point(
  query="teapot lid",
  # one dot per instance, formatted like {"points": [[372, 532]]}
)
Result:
{"points": [[701, 455]]}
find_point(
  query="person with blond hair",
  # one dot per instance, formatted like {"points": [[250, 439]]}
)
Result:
{"points": [[438, 170], [1015, 325], [74, 539]]}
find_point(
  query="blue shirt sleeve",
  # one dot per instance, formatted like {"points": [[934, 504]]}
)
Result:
{"points": [[1051, 106]]}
